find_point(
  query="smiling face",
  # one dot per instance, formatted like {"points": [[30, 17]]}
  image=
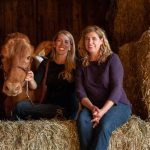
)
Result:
{"points": [[62, 45], [92, 43]]}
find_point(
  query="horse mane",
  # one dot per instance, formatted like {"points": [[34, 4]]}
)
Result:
{"points": [[16, 35]]}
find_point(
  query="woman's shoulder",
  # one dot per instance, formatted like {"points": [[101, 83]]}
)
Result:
{"points": [[113, 57]]}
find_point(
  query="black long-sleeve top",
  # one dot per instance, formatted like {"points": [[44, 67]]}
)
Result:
{"points": [[59, 91]]}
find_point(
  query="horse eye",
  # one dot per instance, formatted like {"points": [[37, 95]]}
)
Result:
{"points": [[28, 57]]}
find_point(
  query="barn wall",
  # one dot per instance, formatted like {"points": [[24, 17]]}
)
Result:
{"points": [[40, 20]]}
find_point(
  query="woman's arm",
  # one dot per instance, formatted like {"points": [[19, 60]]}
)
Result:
{"points": [[116, 79], [79, 82], [87, 103]]}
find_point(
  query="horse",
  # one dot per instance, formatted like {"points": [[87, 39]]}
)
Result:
{"points": [[16, 58], [41, 51]]}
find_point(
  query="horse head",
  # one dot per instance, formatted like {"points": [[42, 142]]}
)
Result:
{"points": [[16, 58]]}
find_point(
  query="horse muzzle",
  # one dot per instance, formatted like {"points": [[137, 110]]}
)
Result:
{"points": [[12, 89]]}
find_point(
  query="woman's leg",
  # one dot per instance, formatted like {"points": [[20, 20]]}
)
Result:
{"points": [[26, 109], [114, 118], [85, 129]]}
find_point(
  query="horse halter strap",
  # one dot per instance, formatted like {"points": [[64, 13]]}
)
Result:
{"points": [[27, 83], [27, 92], [19, 67], [24, 69]]}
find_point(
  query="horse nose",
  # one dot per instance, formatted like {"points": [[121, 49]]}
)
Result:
{"points": [[12, 89]]}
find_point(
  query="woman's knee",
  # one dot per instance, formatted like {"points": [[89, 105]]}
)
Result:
{"points": [[23, 104], [84, 115], [105, 126], [20, 106]]}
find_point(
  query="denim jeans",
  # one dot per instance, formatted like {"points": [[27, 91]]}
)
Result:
{"points": [[98, 138], [25, 110]]}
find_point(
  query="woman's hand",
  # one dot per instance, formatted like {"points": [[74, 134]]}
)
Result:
{"points": [[29, 76], [97, 115], [30, 79], [96, 112]]}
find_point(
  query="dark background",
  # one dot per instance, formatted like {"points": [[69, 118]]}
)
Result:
{"points": [[123, 21], [41, 19]]}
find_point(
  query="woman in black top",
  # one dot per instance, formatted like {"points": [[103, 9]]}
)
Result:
{"points": [[60, 96]]}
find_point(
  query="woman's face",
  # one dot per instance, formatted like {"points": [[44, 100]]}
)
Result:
{"points": [[92, 43], [62, 44]]}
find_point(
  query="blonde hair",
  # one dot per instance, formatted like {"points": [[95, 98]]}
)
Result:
{"points": [[67, 74], [104, 50]]}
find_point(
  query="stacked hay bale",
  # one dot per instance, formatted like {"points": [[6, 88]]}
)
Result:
{"points": [[143, 71], [135, 57], [62, 135], [38, 135], [134, 135], [127, 20]]}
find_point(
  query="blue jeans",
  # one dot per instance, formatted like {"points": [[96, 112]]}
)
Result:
{"points": [[98, 138], [25, 110]]}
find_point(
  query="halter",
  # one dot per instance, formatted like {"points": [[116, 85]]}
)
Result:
{"points": [[19, 67], [27, 92]]}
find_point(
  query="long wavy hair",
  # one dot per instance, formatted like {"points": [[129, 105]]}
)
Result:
{"points": [[67, 74], [104, 50]]}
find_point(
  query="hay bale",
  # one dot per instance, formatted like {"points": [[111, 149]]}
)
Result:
{"points": [[143, 69], [62, 135], [134, 135], [135, 57], [38, 135], [127, 20], [127, 54]]}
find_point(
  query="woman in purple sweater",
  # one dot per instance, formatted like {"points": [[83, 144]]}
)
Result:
{"points": [[99, 85]]}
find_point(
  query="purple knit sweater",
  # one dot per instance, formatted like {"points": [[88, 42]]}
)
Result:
{"points": [[101, 82]]}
